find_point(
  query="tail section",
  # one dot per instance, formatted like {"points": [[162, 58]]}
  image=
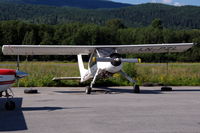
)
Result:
{"points": [[81, 67]]}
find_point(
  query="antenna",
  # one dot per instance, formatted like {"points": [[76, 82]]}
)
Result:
{"points": [[165, 87], [18, 60]]}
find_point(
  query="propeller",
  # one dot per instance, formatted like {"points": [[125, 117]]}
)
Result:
{"points": [[116, 59], [133, 60], [19, 74], [108, 59]]}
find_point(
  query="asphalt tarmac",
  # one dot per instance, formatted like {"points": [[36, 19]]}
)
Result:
{"points": [[69, 110]]}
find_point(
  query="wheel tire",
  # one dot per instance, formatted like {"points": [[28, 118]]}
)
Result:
{"points": [[30, 91], [166, 88], [88, 90], [10, 105], [136, 89]]}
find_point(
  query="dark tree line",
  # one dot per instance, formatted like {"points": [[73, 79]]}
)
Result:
{"points": [[113, 32], [86, 4], [186, 17]]}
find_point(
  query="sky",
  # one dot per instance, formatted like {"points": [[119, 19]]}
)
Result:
{"points": [[171, 2]]}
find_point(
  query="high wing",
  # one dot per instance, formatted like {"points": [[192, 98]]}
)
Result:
{"points": [[87, 49]]}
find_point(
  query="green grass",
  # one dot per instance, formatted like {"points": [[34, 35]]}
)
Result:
{"points": [[41, 74], [178, 74]]}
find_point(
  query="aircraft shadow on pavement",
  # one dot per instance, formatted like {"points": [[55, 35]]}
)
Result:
{"points": [[142, 91], [12, 120], [41, 108], [110, 90], [187, 90], [123, 90], [69, 92]]}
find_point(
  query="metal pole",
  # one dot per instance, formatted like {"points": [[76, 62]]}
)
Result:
{"points": [[18, 69], [17, 62]]}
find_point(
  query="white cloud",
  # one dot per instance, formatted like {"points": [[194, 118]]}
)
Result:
{"points": [[177, 4], [153, 1], [167, 1], [170, 2]]}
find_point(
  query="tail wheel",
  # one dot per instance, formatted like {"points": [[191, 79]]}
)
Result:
{"points": [[10, 105]]}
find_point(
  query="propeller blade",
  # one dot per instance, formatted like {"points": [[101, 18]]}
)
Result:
{"points": [[100, 59], [136, 60]]}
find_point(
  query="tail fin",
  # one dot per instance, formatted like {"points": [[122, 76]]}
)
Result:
{"points": [[81, 66]]}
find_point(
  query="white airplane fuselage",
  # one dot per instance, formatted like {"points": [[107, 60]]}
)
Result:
{"points": [[7, 78], [106, 69], [107, 66]]}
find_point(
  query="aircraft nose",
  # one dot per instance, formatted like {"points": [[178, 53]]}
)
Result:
{"points": [[21, 74]]}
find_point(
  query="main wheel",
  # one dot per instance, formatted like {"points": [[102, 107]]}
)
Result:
{"points": [[136, 89], [88, 90], [10, 105]]}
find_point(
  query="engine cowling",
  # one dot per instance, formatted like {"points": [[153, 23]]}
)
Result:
{"points": [[113, 63]]}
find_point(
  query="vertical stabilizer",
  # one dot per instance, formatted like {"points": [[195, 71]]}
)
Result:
{"points": [[81, 67]]}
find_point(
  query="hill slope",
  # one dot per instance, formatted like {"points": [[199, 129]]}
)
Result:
{"points": [[136, 16], [90, 4]]}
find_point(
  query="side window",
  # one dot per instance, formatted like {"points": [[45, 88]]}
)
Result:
{"points": [[93, 61]]}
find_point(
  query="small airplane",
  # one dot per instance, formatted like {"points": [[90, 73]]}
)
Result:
{"points": [[7, 78], [104, 61]]}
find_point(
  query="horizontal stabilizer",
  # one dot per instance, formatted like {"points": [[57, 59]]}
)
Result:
{"points": [[66, 78]]}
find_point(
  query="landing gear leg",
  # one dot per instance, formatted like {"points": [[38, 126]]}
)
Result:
{"points": [[89, 88], [1, 93], [136, 88], [9, 105]]}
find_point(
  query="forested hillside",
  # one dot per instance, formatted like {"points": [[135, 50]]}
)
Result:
{"points": [[186, 17], [89, 4], [113, 32]]}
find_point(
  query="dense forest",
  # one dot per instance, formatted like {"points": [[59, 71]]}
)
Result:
{"points": [[185, 17], [88, 4], [113, 32]]}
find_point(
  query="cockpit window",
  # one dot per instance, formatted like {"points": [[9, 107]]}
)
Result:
{"points": [[93, 60]]}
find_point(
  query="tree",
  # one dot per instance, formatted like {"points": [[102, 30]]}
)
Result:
{"points": [[86, 35], [115, 24], [157, 24], [47, 39], [29, 38]]}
